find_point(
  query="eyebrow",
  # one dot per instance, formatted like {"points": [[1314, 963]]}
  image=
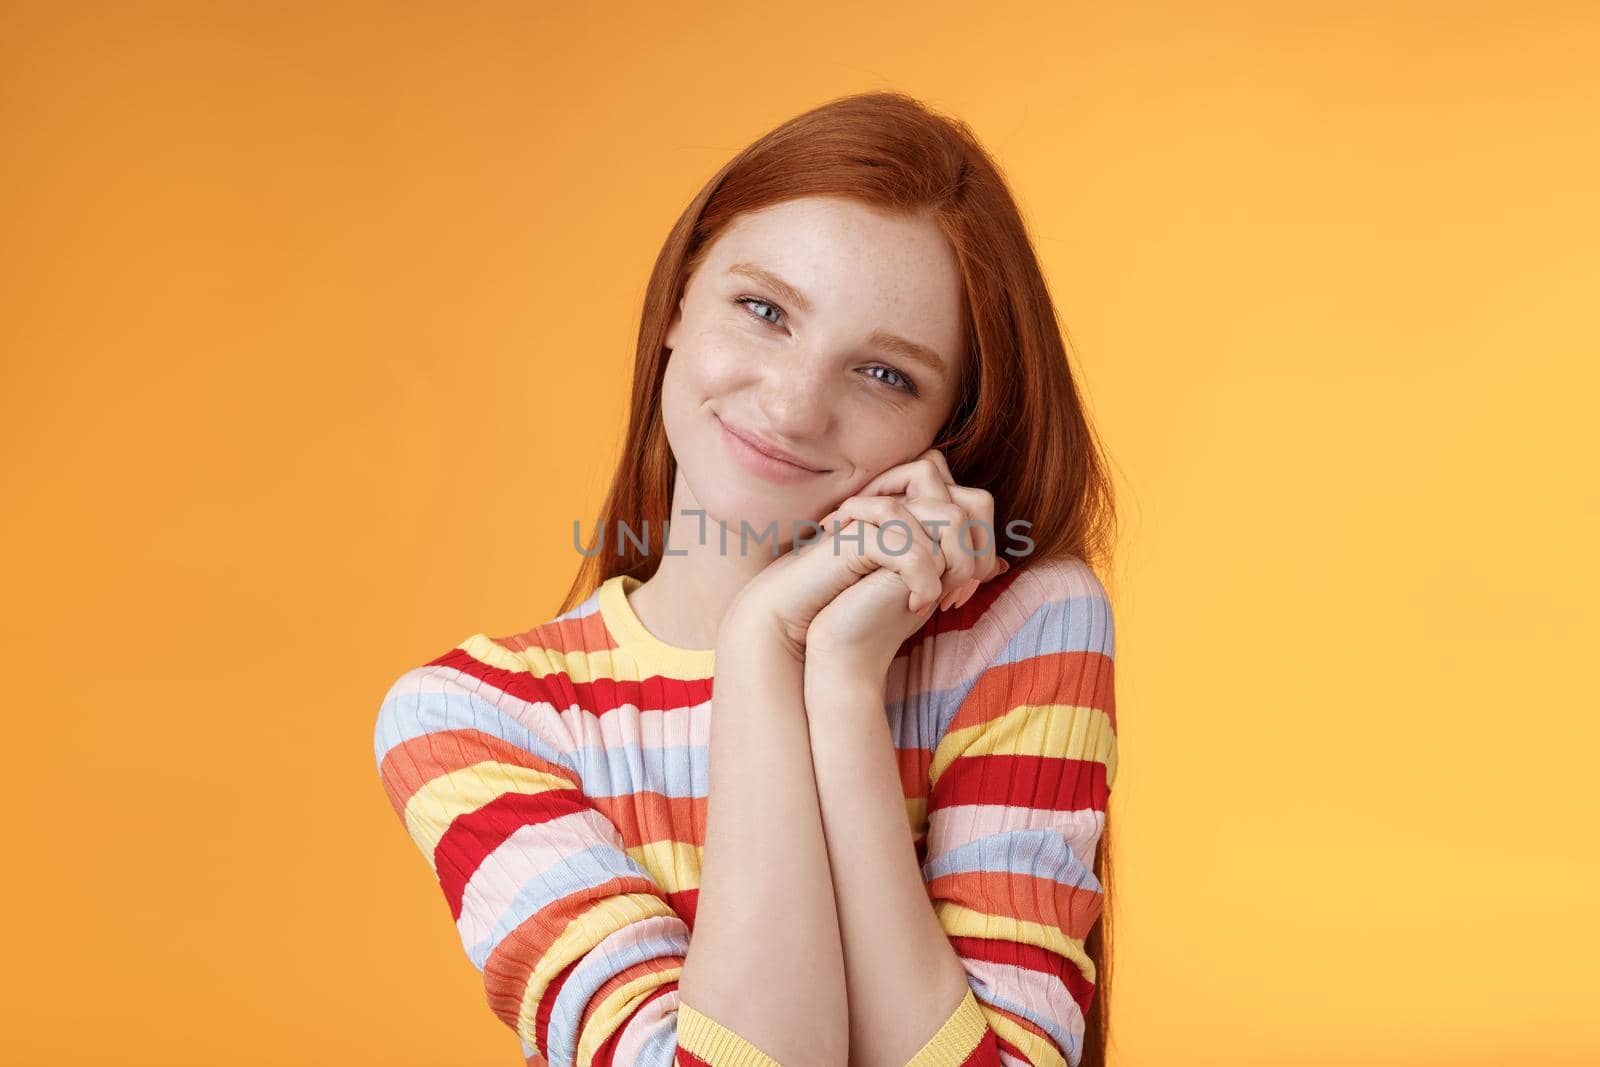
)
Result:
{"points": [[880, 339]]}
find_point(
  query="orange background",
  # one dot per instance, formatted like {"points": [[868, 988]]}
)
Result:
{"points": [[317, 332]]}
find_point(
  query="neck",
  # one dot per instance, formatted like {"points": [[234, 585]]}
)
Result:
{"points": [[699, 575]]}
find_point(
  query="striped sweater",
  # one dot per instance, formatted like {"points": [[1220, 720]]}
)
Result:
{"points": [[555, 782]]}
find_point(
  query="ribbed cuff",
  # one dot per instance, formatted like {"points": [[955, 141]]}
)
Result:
{"points": [[952, 1046], [709, 1040]]}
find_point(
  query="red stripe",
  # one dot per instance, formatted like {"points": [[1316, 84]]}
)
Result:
{"points": [[987, 1052], [547, 1004], [1051, 676], [475, 834], [1038, 899], [605, 1054], [1029, 957], [598, 696], [1009, 1049], [684, 902], [987, 593], [1048, 783]]}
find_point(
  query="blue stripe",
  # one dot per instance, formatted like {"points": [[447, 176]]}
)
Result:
{"points": [[430, 699], [596, 969], [577, 873], [1041, 853]]}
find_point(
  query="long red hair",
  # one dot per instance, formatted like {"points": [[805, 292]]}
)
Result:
{"points": [[1019, 431]]}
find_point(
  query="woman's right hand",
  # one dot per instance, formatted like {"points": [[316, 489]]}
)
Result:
{"points": [[784, 598]]}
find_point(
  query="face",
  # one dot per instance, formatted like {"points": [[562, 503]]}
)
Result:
{"points": [[819, 328]]}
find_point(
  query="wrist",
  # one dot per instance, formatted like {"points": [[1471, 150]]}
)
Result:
{"points": [[830, 675], [749, 634]]}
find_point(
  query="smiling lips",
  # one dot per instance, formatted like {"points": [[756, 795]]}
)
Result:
{"points": [[763, 459]]}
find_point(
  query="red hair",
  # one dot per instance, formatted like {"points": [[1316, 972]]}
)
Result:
{"points": [[1019, 429]]}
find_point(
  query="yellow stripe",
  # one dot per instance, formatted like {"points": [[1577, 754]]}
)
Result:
{"points": [[960, 921], [917, 814], [611, 1013], [960, 1034], [580, 665], [1039, 1051], [431, 809], [1061, 730], [716, 1044], [675, 865], [604, 918], [956, 1039]]}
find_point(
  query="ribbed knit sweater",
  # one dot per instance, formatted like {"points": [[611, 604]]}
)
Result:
{"points": [[555, 781]]}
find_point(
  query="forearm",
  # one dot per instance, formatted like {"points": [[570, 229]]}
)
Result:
{"points": [[765, 957], [903, 978]]}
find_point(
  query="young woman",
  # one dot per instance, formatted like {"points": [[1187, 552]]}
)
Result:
{"points": [[885, 839]]}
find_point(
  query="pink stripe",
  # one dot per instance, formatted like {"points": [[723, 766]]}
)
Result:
{"points": [[655, 928], [1019, 985], [647, 1021], [541, 717], [965, 654], [629, 728], [522, 857], [949, 828]]}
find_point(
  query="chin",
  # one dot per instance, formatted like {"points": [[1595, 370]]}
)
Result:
{"points": [[730, 504], [726, 497]]}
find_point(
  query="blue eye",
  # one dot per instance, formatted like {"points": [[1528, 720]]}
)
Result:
{"points": [[899, 381], [748, 301], [904, 382]]}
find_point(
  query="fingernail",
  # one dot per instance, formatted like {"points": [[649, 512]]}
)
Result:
{"points": [[967, 591], [1004, 566]]}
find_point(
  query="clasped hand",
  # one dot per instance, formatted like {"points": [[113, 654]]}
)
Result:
{"points": [[909, 541]]}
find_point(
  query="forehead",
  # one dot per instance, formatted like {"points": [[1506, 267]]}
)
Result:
{"points": [[859, 266]]}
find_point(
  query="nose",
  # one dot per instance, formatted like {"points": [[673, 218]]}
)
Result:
{"points": [[797, 398]]}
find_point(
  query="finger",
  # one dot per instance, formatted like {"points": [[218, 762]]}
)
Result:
{"points": [[913, 561], [943, 521], [938, 521], [936, 456], [881, 510], [979, 536], [921, 477], [892, 536]]}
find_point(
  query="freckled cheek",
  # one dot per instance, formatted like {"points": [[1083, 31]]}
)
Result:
{"points": [[873, 446], [720, 365]]}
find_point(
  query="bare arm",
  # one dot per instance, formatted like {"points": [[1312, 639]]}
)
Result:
{"points": [[765, 958], [904, 978]]}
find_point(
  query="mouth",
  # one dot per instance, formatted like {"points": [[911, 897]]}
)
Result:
{"points": [[767, 454]]}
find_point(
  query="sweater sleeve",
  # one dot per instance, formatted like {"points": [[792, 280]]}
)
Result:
{"points": [[579, 950], [1020, 779]]}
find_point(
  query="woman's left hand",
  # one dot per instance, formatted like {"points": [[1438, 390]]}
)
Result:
{"points": [[861, 629]]}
